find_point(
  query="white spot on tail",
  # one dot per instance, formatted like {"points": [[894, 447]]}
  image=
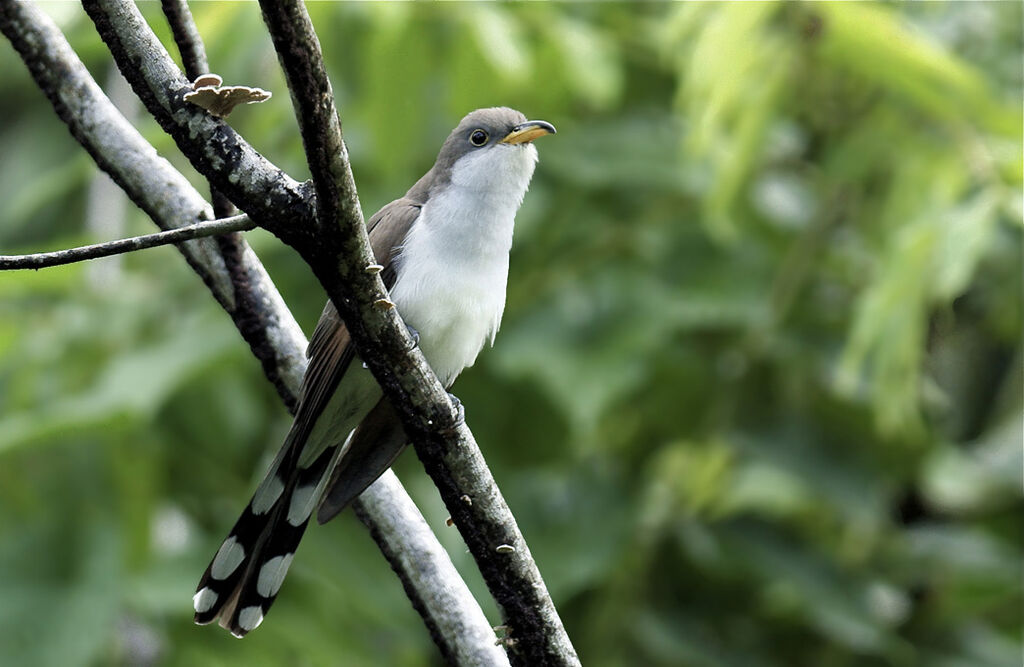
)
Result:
{"points": [[302, 503], [250, 618], [228, 557], [268, 493], [272, 574], [204, 600]]}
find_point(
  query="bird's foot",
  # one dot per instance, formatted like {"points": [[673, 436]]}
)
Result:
{"points": [[458, 408], [415, 337]]}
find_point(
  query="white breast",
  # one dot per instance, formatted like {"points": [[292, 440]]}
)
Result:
{"points": [[453, 266]]}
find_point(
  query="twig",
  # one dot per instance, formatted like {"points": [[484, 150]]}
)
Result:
{"points": [[42, 260], [446, 447], [193, 57], [122, 152]]}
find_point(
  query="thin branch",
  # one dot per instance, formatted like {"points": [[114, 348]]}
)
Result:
{"points": [[153, 185], [250, 314], [42, 260], [446, 447], [193, 57], [186, 36], [121, 152]]}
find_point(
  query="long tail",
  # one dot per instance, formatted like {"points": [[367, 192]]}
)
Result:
{"points": [[242, 581]]}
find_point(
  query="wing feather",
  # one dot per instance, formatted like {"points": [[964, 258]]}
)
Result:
{"points": [[330, 350]]}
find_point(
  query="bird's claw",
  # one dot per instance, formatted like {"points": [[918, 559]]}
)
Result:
{"points": [[458, 408], [415, 337]]}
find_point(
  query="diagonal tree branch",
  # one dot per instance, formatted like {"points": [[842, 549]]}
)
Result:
{"points": [[446, 446], [135, 166], [455, 464], [198, 230], [425, 569], [250, 315], [401, 516]]}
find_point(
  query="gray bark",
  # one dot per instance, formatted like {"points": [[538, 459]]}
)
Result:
{"points": [[151, 182]]}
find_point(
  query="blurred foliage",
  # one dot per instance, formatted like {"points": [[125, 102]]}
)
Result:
{"points": [[756, 400]]}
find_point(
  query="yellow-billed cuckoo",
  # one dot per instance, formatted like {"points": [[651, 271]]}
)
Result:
{"points": [[444, 247]]}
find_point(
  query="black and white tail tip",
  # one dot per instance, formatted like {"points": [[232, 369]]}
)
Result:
{"points": [[242, 581], [239, 587], [245, 619]]}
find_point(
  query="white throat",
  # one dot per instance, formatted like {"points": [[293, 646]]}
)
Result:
{"points": [[452, 268]]}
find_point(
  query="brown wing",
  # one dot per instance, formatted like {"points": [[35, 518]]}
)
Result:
{"points": [[330, 351], [379, 440]]}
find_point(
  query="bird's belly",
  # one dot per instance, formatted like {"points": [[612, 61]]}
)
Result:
{"points": [[455, 308]]}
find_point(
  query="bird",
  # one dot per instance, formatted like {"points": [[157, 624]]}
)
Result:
{"points": [[444, 248]]}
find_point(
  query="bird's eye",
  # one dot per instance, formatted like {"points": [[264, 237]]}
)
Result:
{"points": [[478, 138]]}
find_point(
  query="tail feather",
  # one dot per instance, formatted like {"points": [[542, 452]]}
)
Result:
{"points": [[371, 449], [243, 579]]}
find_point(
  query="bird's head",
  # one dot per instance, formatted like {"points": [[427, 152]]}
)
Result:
{"points": [[492, 150]]}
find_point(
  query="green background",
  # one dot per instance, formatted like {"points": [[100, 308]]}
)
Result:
{"points": [[757, 395]]}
